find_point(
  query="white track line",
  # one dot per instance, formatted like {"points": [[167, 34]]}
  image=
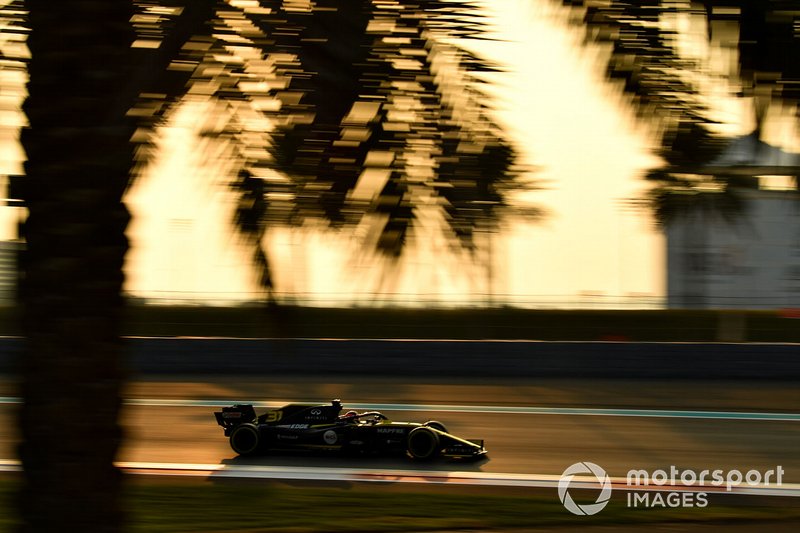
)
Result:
{"points": [[494, 409], [486, 409], [355, 475]]}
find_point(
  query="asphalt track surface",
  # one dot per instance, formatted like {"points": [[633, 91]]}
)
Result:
{"points": [[533, 428], [530, 426]]}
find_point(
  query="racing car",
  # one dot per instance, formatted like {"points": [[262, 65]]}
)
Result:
{"points": [[303, 426]]}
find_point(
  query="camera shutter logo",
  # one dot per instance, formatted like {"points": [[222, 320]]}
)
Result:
{"points": [[584, 468]]}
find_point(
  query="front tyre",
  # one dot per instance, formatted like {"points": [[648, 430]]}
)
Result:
{"points": [[245, 439], [435, 424], [423, 443]]}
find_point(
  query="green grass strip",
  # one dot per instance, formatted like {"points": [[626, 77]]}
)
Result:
{"points": [[174, 506]]}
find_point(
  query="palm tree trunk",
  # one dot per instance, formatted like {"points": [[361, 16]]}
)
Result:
{"points": [[79, 159]]}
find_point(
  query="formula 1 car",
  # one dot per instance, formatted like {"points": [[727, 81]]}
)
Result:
{"points": [[300, 426]]}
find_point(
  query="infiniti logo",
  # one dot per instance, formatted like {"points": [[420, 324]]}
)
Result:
{"points": [[584, 469]]}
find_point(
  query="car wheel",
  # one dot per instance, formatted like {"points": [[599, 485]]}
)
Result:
{"points": [[245, 439], [422, 443], [435, 424]]}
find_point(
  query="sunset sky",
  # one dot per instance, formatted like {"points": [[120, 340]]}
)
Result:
{"points": [[567, 122], [564, 121]]}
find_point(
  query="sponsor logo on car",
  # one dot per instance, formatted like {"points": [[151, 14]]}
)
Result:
{"points": [[330, 437], [394, 431]]}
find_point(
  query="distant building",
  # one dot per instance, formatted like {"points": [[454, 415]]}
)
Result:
{"points": [[752, 261]]}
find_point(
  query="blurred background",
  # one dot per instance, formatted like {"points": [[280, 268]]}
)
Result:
{"points": [[596, 115], [567, 227]]}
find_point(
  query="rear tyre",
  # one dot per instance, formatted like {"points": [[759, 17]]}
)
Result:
{"points": [[435, 424], [245, 439], [423, 443]]}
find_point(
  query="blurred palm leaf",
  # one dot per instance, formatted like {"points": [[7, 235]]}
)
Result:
{"points": [[365, 115], [677, 195], [645, 58], [338, 109]]}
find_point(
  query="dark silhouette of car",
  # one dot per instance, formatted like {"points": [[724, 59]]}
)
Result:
{"points": [[322, 427]]}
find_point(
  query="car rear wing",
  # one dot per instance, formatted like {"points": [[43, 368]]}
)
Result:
{"points": [[231, 417]]}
